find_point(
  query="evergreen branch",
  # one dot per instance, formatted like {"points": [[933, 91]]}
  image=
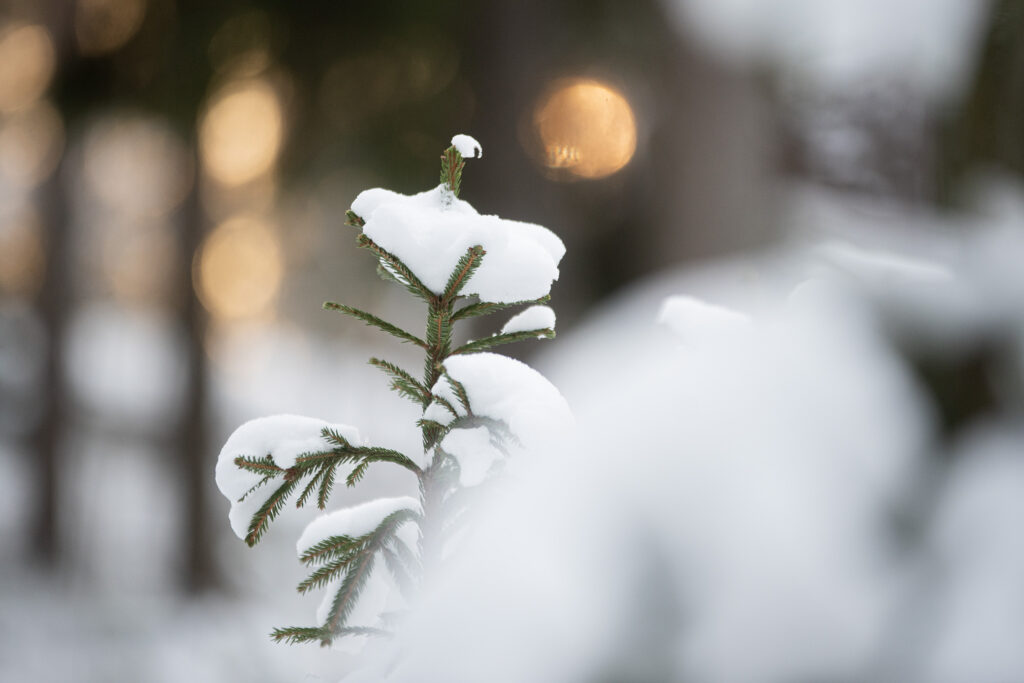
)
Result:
{"points": [[268, 511], [398, 268], [398, 571], [352, 219], [327, 573], [404, 553], [486, 307], [306, 492], [506, 338], [357, 473], [451, 170], [256, 486], [460, 392], [439, 332], [463, 271], [374, 321], [326, 486], [359, 569], [498, 429], [332, 546], [402, 382], [301, 634], [335, 456], [364, 631], [264, 465], [432, 432], [334, 436], [377, 454], [446, 404]]}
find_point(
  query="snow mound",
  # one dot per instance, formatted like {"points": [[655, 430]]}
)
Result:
{"points": [[354, 521], [506, 389], [432, 230], [475, 453], [693, 320], [467, 146], [283, 437], [533, 318]]}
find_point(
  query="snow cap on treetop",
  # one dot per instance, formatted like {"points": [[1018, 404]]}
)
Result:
{"points": [[467, 146], [430, 232]]}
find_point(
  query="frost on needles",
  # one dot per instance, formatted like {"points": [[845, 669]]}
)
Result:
{"points": [[477, 407]]}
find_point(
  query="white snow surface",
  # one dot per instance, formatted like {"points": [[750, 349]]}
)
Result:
{"points": [[506, 389], [432, 230], [693, 320], [473, 449], [843, 43], [284, 437], [533, 318], [354, 521], [467, 146]]}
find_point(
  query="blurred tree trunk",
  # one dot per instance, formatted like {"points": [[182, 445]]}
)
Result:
{"points": [[54, 307], [192, 442]]}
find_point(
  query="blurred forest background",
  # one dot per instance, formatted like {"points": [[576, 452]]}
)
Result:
{"points": [[173, 181]]}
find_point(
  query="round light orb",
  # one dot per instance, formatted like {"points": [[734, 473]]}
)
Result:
{"points": [[241, 132], [27, 62], [239, 268], [586, 128]]}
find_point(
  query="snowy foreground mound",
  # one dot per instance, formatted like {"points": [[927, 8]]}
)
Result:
{"points": [[760, 496], [432, 230]]}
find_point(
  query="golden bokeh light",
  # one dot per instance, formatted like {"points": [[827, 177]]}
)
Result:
{"points": [[102, 26], [31, 143], [586, 129], [135, 164], [27, 62], [22, 256], [238, 270], [241, 132]]}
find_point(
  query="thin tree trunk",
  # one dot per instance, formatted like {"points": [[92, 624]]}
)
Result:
{"points": [[199, 572]]}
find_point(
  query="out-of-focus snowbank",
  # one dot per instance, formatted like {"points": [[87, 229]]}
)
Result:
{"points": [[787, 499], [840, 44]]}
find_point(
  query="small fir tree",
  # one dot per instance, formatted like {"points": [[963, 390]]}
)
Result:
{"points": [[272, 461]]}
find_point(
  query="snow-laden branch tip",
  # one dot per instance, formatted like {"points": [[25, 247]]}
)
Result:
{"points": [[430, 234], [533, 318], [467, 146], [284, 438], [354, 521], [505, 389]]}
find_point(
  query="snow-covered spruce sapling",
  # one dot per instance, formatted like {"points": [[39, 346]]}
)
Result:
{"points": [[475, 405]]}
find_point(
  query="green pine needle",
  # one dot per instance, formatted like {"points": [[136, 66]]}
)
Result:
{"points": [[402, 382], [374, 321], [463, 271], [487, 307], [353, 220], [500, 339], [399, 271], [452, 164]]}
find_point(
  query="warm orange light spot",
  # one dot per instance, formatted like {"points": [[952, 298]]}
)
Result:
{"points": [[103, 26], [238, 269], [31, 143], [241, 132], [27, 61], [586, 128]]}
